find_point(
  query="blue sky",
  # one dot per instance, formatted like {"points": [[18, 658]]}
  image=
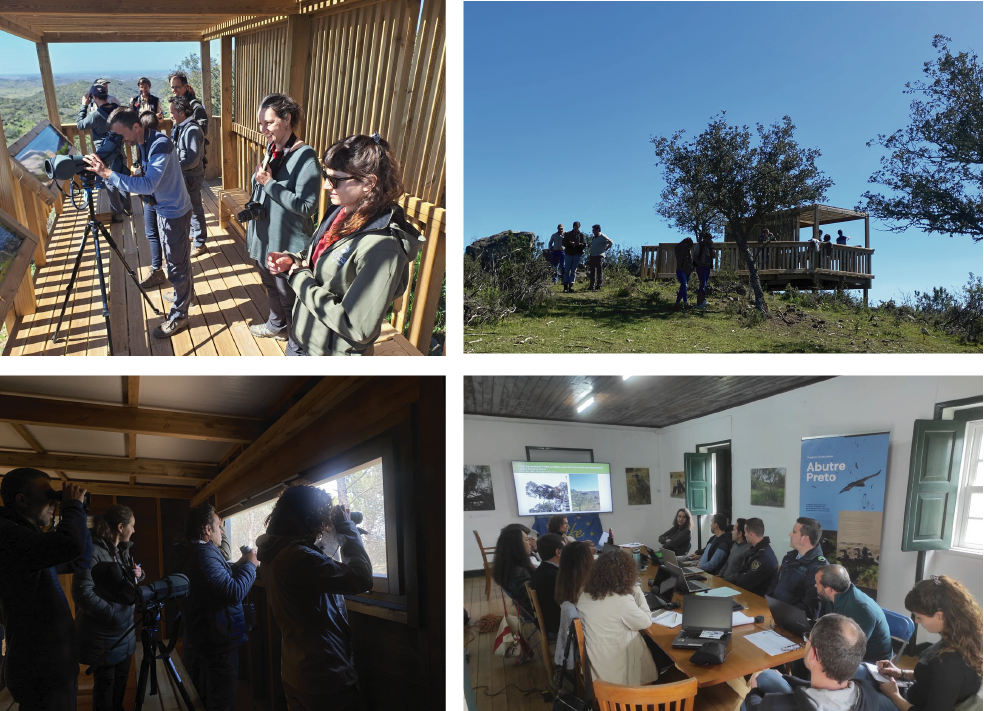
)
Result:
{"points": [[18, 56], [562, 99]]}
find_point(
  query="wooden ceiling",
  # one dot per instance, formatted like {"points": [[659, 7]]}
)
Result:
{"points": [[641, 401]]}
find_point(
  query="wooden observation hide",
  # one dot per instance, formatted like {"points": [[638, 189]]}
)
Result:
{"points": [[356, 66]]}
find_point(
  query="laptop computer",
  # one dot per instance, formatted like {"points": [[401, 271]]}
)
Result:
{"points": [[789, 617], [705, 619], [682, 583], [670, 557], [659, 597]]}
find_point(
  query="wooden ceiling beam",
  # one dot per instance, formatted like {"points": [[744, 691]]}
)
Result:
{"points": [[18, 30], [57, 37], [131, 398], [34, 444], [110, 488], [114, 418], [136, 9], [107, 465]]}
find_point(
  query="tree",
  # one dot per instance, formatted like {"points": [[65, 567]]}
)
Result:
{"points": [[683, 200], [740, 182], [934, 168], [192, 66]]}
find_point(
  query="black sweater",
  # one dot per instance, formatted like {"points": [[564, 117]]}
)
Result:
{"points": [[941, 681], [677, 540]]}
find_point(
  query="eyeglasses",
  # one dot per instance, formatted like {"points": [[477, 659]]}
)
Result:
{"points": [[334, 181]]}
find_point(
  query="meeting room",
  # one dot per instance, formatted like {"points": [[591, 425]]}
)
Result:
{"points": [[723, 542]]}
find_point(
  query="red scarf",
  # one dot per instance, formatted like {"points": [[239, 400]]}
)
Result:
{"points": [[330, 237]]}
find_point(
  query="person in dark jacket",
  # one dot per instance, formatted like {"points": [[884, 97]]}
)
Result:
{"points": [[760, 566], [108, 145], [214, 622], [574, 244], [312, 557], [677, 538], [145, 101], [833, 653], [100, 622], [544, 581], [838, 594], [740, 549], [512, 567], [795, 583], [41, 667], [715, 553], [684, 253], [189, 143]]}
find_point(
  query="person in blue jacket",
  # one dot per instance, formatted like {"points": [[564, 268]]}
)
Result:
{"points": [[214, 622], [795, 583], [41, 667], [312, 557], [715, 553], [760, 566]]}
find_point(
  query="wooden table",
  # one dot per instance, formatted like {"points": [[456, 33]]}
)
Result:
{"points": [[743, 657]]}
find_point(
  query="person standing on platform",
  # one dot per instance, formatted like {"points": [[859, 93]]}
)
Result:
{"points": [[108, 145], [760, 566], [145, 101], [556, 247], [189, 141], [150, 122], [795, 584], [600, 244], [181, 87]]}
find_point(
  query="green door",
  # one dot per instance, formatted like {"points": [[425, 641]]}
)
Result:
{"points": [[697, 471], [934, 476]]}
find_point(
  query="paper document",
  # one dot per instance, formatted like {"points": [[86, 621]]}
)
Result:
{"points": [[740, 618], [873, 669], [668, 619], [720, 592], [604, 539], [772, 643], [629, 545]]}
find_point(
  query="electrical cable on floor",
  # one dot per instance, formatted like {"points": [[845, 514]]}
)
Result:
{"points": [[524, 692]]}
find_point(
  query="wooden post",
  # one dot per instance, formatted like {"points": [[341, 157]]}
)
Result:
{"points": [[816, 222], [12, 201], [207, 77], [298, 57], [867, 245], [229, 173], [429, 281], [48, 82]]}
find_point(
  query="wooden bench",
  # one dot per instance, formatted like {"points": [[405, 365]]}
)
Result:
{"points": [[231, 202]]}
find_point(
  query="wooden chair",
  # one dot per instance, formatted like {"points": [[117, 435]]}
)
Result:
{"points": [[488, 565], [666, 697], [581, 670], [544, 640]]}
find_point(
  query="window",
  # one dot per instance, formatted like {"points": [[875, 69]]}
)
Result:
{"points": [[245, 527], [968, 532]]}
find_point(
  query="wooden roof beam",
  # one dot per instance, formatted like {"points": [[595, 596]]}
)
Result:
{"points": [[54, 37], [109, 488], [137, 420], [107, 465], [18, 30], [179, 8]]}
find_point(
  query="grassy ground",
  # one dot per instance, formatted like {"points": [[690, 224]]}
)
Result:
{"points": [[632, 316]]}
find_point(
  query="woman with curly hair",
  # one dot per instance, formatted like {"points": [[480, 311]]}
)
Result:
{"points": [[575, 563], [949, 671], [677, 538], [512, 566], [613, 611]]}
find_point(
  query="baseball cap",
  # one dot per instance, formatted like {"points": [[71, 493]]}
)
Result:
{"points": [[99, 91]]}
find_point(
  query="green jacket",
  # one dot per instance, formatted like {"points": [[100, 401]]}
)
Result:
{"points": [[341, 300], [291, 200]]}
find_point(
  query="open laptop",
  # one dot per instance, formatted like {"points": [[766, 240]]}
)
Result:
{"points": [[705, 619], [670, 557], [789, 617], [682, 583], [658, 598]]}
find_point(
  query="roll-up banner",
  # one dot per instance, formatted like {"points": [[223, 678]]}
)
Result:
{"points": [[842, 485]]}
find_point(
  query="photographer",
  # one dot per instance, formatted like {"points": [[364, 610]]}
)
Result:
{"points": [[33, 608], [145, 101], [305, 587], [162, 179], [214, 622], [108, 145], [284, 192], [150, 122], [356, 264], [100, 623], [189, 141]]}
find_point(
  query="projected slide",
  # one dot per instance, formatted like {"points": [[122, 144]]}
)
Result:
{"points": [[562, 487]]}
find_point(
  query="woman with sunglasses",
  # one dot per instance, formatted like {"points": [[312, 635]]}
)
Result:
{"points": [[356, 264]]}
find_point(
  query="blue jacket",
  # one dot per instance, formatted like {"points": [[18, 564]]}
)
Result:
{"points": [[758, 569], [108, 145], [796, 582], [715, 553], [162, 176], [33, 608], [213, 610]]}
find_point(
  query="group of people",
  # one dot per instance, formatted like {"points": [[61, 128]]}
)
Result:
{"points": [[309, 558], [692, 257], [849, 628], [567, 250], [329, 287]]}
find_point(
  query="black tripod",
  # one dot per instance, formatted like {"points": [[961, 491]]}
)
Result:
{"points": [[96, 228]]}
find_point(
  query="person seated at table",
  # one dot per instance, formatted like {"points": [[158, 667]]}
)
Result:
{"points": [[531, 536], [512, 568], [614, 611], [558, 524], [832, 655], [677, 538], [795, 583], [715, 553], [948, 673], [575, 563], [760, 566], [838, 594], [544, 581], [740, 549]]}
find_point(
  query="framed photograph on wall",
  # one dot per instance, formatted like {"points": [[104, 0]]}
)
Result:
{"points": [[769, 487], [637, 486], [678, 485], [478, 488]]}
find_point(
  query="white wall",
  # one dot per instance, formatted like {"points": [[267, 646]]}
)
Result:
{"points": [[498, 441], [766, 433]]}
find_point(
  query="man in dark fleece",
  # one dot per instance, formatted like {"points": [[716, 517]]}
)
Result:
{"points": [[305, 586], [41, 667], [214, 623]]}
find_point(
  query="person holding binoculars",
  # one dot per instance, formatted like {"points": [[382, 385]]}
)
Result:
{"points": [[34, 611]]}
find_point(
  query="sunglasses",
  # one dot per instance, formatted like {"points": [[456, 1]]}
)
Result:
{"points": [[333, 181]]}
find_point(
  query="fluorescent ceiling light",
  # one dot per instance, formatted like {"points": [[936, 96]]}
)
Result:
{"points": [[585, 405], [626, 377]]}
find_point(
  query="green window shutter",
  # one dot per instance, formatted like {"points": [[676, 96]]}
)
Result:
{"points": [[697, 471], [934, 477]]}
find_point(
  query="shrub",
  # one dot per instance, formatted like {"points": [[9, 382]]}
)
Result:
{"points": [[519, 280]]}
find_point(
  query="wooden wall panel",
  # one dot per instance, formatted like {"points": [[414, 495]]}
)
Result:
{"points": [[146, 539]]}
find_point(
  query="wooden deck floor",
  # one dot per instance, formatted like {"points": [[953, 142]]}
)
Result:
{"points": [[229, 297]]}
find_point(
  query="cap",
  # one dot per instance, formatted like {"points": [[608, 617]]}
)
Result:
{"points": [[102, 81], [99, 91]]}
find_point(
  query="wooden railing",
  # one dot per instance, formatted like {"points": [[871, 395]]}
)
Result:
{"points": [[794, 258]]}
